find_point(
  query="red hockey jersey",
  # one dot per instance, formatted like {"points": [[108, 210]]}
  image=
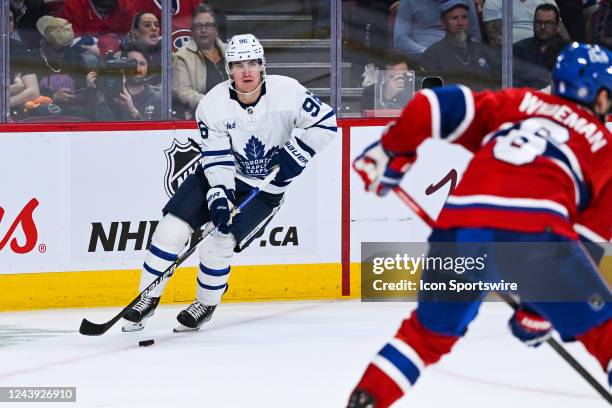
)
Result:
{"points": [[541, 162], [85, 19]]}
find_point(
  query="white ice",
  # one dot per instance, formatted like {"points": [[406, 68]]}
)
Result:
{"points": [[278, 354]]}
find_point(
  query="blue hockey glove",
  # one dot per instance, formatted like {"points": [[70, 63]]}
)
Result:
{"points": [[380, 170], [218, 199], [529, 327], [292, 158]]}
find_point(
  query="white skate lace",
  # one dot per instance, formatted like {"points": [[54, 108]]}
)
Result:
{"points": [[197, 310], [143, 304]]}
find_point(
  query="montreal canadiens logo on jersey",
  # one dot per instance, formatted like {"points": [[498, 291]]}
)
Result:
{"points": [[255, 164], [181, 161], [180, 38]]}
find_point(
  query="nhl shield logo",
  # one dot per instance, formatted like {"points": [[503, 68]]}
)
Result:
{"points": [[181, 161]]}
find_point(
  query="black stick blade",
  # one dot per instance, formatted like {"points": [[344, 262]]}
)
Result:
{"points": [[92, 329]]}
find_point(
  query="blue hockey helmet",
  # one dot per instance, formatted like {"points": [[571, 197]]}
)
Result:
{"points": [[581, 71]]}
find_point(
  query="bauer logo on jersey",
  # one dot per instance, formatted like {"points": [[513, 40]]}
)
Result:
{"points": [[181, 161], [256, 159]]}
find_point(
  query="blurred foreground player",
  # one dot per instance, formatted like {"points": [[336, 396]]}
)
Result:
{"points": [[246, 126], [541, 172]]}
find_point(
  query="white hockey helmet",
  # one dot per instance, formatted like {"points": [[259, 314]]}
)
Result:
{"points": [[244, 47]]}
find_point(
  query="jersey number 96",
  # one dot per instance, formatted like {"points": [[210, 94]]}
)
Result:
{"points": [[312, 105]]}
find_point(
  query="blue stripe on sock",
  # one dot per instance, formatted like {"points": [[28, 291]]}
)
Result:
{"points": [[214, 272], [166, 256], [210, 287], [403, 363], [151, 270]]}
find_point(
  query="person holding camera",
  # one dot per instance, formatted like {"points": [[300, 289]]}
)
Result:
{"points": [[124, 88], [391, 93]]}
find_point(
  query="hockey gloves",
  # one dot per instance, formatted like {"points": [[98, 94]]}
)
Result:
{"points": [[292, 157], [380, 170], [218, 199], [529, 327]]}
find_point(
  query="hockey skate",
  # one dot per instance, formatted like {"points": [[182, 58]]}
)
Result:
{"points": [[194, 317], [139, 313]]}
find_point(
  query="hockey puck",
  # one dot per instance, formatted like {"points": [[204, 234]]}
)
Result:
{"points": [[145, 343]]}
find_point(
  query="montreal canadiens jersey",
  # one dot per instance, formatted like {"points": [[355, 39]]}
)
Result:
{"points": [[541, 163], [238, 141]]}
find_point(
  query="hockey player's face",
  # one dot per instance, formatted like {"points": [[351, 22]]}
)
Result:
{"points": [[246, 75]]}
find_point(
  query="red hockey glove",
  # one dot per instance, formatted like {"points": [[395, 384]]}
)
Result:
{"points": [[380, 170], [529, 327]]}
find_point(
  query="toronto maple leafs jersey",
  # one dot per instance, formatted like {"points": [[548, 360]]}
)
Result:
{"points": [[238, 140], [541, 162]]}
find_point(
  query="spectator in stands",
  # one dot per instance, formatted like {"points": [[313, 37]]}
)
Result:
{"points": [[366, 35], [26, 13], [61, 70], [199, 65], [457, 57], [535, 57], [392, 92], [98, 17], [146, 34], [522, 19], [599, 29], [139, 100], [573, 14], [24, 84], [418, 25], [180, 13]]}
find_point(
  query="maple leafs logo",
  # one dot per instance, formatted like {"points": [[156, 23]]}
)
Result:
{"points": [[255, 164], [254, 149]]}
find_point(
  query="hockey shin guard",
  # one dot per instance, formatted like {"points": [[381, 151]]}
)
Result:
{"points": [[169, 240]]}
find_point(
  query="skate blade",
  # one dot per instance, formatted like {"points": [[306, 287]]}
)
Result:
{"points": [[181, 329], [129, 327]]}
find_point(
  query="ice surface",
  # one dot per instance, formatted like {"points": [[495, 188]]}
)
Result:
{"points": [[278, 354]]}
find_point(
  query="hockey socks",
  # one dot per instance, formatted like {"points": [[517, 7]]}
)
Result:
{"points": [[169, 240], [398, 365], [597, 341]]}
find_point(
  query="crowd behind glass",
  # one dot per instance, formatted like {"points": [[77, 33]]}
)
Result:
{"points": [[101, 60]]}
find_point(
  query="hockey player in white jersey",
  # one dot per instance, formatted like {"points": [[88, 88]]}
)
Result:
{"points": [[247, 126]]}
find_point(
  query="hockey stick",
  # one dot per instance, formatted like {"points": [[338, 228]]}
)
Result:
{"points": [[96, 329], [410, 202]]}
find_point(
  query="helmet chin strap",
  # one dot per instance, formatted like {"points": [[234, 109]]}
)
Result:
{"points": [[231, 85]]}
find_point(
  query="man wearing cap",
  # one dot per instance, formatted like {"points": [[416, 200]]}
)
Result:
{"points": [[61, 71], [456, 56], [418, 26]]}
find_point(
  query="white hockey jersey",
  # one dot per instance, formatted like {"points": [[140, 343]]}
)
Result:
{"points": [[239, 140]]}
